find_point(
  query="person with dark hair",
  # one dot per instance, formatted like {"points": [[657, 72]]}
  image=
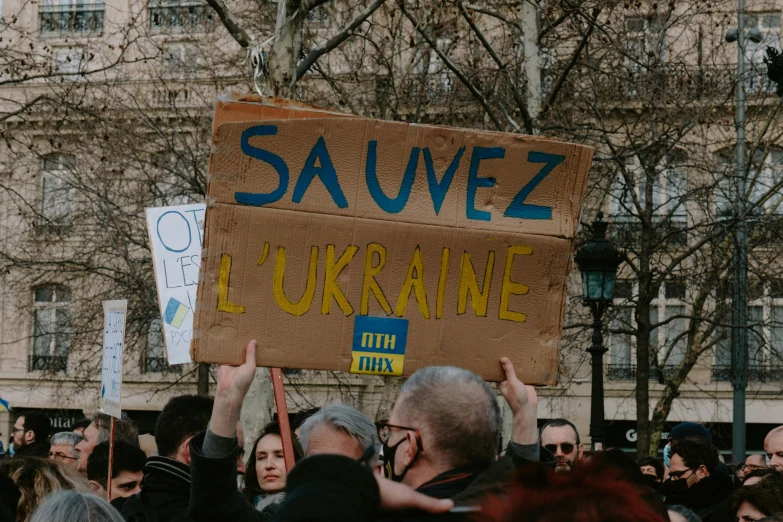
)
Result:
{"points": [[752, 503], [99, 431], [266, 473], [652, 467], [615, 463], [31, 434], [127, 466], [166, 488], [757, 476], [694, 481], [561, 437]]}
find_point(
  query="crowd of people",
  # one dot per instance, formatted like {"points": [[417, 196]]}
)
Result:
{"points": [[437, 457]]}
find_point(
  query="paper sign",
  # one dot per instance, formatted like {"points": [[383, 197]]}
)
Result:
{"points": [[315, 223], [113, 343], [175, 238]]}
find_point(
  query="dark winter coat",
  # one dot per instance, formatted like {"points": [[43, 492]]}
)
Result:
{"points": [[707, 498], [165, 493]]}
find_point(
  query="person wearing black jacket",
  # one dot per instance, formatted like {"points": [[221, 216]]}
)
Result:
{"points": [[166, 486], [214, 495], [695, 482], [31, 434]]}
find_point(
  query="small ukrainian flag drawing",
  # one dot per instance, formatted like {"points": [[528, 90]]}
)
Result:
{"points": [[4, 405], [175, 313]]}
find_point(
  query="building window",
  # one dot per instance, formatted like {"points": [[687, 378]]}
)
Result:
{"points": [[69, 61], [765, 333], [768, 24], [669, 195], [57, 192], [668, 342], [181, 60], [646, 37], [71, 16], [155, 360], [51, 328], [180, 15], [764, 177]]}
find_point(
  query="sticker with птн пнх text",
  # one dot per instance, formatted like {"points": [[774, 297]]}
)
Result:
{"points": [[379, 345]]}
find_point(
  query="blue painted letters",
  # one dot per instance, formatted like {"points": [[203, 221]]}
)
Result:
{"points": [[392, 206], [474, 182], [438, 190], [518, 208], [246, 198], [326, 172]]}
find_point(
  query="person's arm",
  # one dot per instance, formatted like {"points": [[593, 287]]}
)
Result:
{"points": [[213, 454], [523, 402]]}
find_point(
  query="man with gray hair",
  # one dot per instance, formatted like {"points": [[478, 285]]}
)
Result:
{"points": [[99, 431], [64, 448], [445, 426], [340, 429]]}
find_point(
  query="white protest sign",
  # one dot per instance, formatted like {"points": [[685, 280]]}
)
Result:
{"points": [[114, 313], [175, 238]]}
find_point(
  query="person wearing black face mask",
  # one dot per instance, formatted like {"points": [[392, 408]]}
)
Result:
{"points": [[694, 481]]}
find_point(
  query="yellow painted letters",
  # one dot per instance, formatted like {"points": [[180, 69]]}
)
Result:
{"points": [[224, 305], [510, 288], [331, 288], [304, 303], [369, 283], [415, 283]]}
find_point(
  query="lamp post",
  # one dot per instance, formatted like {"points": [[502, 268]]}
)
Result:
{"points": [[598, 261], [739, 289]]}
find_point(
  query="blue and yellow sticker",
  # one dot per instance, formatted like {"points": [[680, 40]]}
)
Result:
{"points": [[379, 345]]}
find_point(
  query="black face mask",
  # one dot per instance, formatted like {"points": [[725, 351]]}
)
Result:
{"points": [[388, 466], [652, 482], [671, 487]]}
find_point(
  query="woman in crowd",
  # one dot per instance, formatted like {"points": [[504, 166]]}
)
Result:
{"points": [[266, 473], [37, 478], [753, 503], [74, 506]]}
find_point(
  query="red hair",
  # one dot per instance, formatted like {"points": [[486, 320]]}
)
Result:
{"points": [[586, 494]]}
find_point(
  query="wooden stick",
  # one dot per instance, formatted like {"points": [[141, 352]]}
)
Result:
{"points": [[111, 458], [282, 418]]}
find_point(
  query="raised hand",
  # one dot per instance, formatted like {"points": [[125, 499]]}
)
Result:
{"points": [[233, 383], [523, 402]]}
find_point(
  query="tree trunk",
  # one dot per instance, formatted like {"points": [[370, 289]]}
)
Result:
{"points": [[391, 386], [286, 49]]}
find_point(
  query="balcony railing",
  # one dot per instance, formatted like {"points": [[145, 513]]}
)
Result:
{"points": [[71, 18], [180, 17], [627, 372], [755, 374], [667, 80], [48, 363]]}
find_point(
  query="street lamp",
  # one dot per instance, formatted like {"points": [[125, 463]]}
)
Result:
{"points": [[598, 261]]}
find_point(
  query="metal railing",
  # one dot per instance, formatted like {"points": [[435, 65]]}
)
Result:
{"points": [[71, 18], [47, 363], [627, 372], [180, 17], [755, 373]]}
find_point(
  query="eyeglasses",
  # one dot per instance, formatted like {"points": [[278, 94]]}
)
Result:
{"points": [[385, 431], [678, 475], [61, 457], [14, 430], [566, 447]]}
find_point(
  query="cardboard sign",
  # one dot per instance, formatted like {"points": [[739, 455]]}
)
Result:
{"points": [[175, 240], [113, 343], [456, 243]]}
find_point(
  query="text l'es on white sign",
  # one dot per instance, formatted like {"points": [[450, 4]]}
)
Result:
{"points": [[114, 314], [175, 238]]}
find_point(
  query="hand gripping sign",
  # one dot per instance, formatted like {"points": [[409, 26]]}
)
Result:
{"points": [[382, 247]]}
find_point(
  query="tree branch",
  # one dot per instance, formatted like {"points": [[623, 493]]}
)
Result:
{"points": [[336, 40], [452, 67], [230, 23], [518, 98], [495, 14], [571, 64]]}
